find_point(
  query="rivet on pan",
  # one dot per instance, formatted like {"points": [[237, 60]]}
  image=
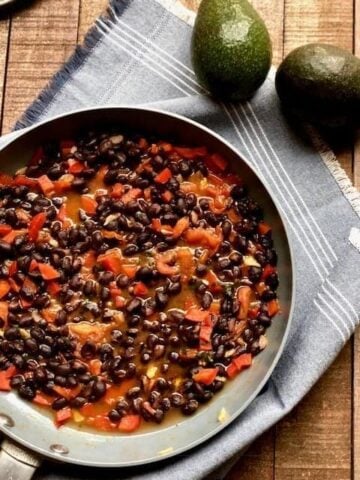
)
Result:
{"points": [[6, 421], [61, 449]]}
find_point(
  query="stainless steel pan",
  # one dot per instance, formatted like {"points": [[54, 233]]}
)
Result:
{"points": [[31, 428]]}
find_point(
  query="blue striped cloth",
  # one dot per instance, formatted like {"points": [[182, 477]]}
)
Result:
{"points": [[139, 54]]}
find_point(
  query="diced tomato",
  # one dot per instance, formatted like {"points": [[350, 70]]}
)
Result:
{"points": [[205, 336], [49, 314], [112, 261], [75, 166], [140, 289], [216, 162], [273, 307], [5, 179], [264, 228], [206, 375], [167, 196], [243, 296], [194, 314], [5, 229], [46, 185], [181, 226], [239, 363], [129, 270], [95, 366], [4, 383], [36, 224], [119, 301], [103, 422], [63, 416], [268, 270], [64, 183], [4, 311], [43, 400], [164, 176], [23, 180], [156, 224], [67, 393], [37, 156], [10, 237], [253, 312], [129, 423], [117, 190], [204, 237], [61, 215], [48, 272], [53, 288], [5, 377], [33, 265], [89, 259], [132, 194], [89, 204], [14, 286], [4, 288], [13, 268], [186, 152]]}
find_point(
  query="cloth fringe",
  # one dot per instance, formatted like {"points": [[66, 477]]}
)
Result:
{"points": [[336, 170], [77, 59]]}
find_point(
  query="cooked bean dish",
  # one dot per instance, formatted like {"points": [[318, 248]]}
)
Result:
{"points": [[136, 278]]}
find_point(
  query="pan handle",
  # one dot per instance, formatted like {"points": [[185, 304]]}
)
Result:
{"points": [[17, 462]]}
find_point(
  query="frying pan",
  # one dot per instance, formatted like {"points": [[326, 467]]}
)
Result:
{"points": [[33, 429]]}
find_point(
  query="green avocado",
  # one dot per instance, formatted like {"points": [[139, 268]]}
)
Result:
{"points": [[320, 84], [231, 48]]}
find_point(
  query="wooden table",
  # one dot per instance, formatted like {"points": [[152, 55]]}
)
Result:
{"points": [[320, 439]]}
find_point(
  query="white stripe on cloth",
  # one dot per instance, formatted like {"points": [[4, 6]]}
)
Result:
{"points": [[141, 53], [351, 319], [335, 313], [297, 194], [337, 291], [330, 320]]}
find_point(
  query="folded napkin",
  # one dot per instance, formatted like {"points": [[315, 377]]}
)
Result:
{"points": [[139, 54]]}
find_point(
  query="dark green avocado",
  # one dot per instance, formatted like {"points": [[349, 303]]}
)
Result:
{"points": [[231, 48], [321, 84]]}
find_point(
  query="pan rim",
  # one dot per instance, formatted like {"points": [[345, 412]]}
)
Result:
{"points": [[270, 368]]}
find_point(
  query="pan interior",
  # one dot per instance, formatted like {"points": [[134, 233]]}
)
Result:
{"points": [[34, 429]]}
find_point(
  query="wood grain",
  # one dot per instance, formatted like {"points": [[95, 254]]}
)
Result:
{"points": [[89, 11], [356, 357], [42, 38], [4, 43]]}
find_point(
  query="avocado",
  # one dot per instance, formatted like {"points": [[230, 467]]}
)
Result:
{"points": [[231, 48], [320, 84]]}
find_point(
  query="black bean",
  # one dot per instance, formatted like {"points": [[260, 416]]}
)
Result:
{"points": [[88, 350], [254, 274], [26, 391], [59, 403], [190, 407], [206, 300], [161, 299]]}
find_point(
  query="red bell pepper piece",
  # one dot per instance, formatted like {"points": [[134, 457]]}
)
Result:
{"points": [[264, 228], [48, 272], [268, 270], [112, 263], [194, 314], [5, 229], [186, 152], [13, 268], [64, 183], [239, 363], [216, 162], [4, 311], [206, 375], [23, 180], [46, 185], [4, 288], [273, 307], [243, 296], [140, 289], [75, 166], [41, 399], [167, 196], [89, 204], [36, 224], [129, 423], [129, 270], [117, 190], [5, 179], [53, 288], [164, 176], [132, 194], [63, 416]]}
